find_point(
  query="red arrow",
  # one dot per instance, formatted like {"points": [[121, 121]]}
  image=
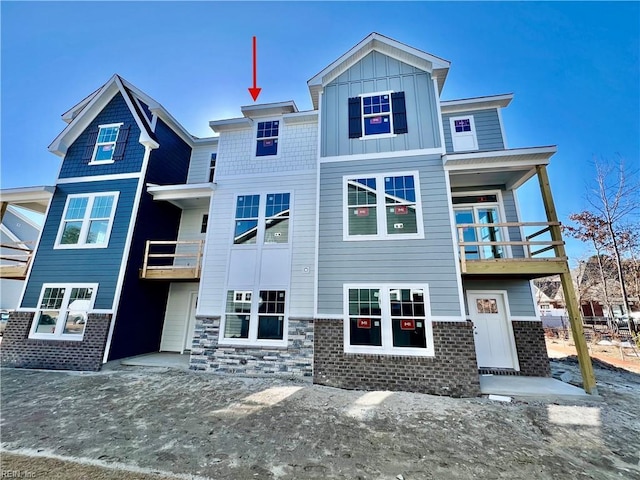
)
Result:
{"points": [[255, 90]]}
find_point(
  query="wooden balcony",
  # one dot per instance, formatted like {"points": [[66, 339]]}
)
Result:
{"points": [[15, 261], [535, 256], [172, 260]]}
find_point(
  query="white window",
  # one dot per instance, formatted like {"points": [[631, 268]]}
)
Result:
{"points": [[106, 143], [62, 311], [382, 206], [377, 118], [87, 220], [484, 210], [267, 138], [463, 133], [388, 319], [258, 319], [262, 219]]}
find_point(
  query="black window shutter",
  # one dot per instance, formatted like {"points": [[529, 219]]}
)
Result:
{"points": [[355, 120], [399, 113], [91, 143], [123, 135]]}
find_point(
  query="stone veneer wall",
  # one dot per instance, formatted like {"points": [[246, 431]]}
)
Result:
{"points": [[532, 349], [295, 360], [18, 350], [452, 371]]}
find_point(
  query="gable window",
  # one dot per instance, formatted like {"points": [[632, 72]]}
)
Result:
{"points": [[106, 144], [382, 206], [463, 133], [262, 218], [254, 318], [387, 319], [87, 220], [212, 166], [62, 311], [376, 115], [267, 138]]}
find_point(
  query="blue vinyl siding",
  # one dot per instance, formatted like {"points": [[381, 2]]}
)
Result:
{"points": [[79, 265], [168, 164], [116, 111], [430, 260], [377, 73], [518, 292], [487, 125]]}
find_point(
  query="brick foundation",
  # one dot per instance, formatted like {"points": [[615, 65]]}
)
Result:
{"points": [[293, 361], [453, 371], [19, 351], [532, 349]]}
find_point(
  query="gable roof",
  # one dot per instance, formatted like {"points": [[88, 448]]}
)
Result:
{"points": [[80, 115], [437, 66]]}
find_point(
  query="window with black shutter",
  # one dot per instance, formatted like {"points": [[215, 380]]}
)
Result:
{"points": [[106, 144], [377, 114]]}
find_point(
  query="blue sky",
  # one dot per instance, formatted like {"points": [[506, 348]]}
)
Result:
{"points": [[573, 67]]}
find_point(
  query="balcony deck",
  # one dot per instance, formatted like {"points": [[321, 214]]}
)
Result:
{"points": [[532, 265], [172, 260], [15, 265]]}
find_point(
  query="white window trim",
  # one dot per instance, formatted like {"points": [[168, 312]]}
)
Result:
{"points": [[252, 340], [58, 335], [504, 231], [262, 217], [473, 133], [86, 221], [95, 147], [363, 116], [387, 347], [380, 207], [255, 137]]}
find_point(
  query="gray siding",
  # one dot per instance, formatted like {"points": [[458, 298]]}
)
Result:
{"points": [[518, 292], [375, 73], [487, 125], [430, 260]]}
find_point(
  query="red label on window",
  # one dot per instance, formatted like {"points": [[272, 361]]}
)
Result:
{"points": [[267, 143], [375, 120], [402, 209], [107, 148], [362, 212], [364, 323], [407, 324]]}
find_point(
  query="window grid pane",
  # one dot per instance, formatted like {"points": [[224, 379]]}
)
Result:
{"points": [[246, 229], [271, 325], [277, 218], [52, 298], [238, 314], [77, 207], [102, 206], [408, 318], [365, 320], [268, 129]]}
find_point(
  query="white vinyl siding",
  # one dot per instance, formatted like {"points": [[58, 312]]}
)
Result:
{"points": [[200, 163]]}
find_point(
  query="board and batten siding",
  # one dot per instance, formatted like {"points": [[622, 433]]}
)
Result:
{"points": [[377, 72], [488, 130], [82, 265], [116, 111], [200, 163], [521, 302], [219, 243], [430, 260], [176, 318]]}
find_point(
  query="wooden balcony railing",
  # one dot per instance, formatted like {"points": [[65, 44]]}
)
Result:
{"points": [[172, 260], [509, 257], [15, 259]]}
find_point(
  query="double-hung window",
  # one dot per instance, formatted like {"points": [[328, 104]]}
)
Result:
{"points": [[62, 311], [255, 318], [373, 115], [388, 319], [267, 138], [262, 218], [382, 206], [106, 143], [87, 220]]}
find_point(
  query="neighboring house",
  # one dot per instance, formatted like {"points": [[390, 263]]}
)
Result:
{"points": [[372, 242], [549, 296]]}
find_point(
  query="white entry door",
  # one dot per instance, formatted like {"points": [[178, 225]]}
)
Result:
{"points": [[191, 321], [493, 334]]}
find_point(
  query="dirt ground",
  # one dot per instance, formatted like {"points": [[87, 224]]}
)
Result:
{"points": [[144, 423]]}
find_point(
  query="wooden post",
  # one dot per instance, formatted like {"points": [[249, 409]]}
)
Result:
{"points": [[573, 309], [146, 259], [463, 258]]}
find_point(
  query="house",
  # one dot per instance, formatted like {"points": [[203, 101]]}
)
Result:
{"points": [[371, 242]]}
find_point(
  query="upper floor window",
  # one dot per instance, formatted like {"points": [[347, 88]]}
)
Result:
{"points": [[382, 206], [376, 115], [87, 220], [62, 311], [212, 166], [463, 133], [387, 319], [263, 218], [106, 144], [267, 138]]}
